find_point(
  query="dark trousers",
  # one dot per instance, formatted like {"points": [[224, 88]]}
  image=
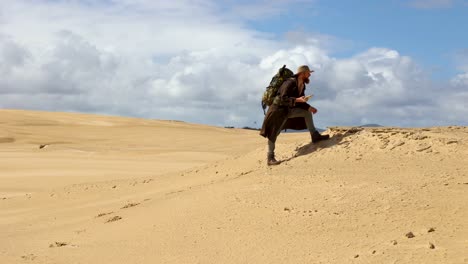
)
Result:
{"points": [[293, 113]]}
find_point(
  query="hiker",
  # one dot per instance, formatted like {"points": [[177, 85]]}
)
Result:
{"points": [[290, 110]]}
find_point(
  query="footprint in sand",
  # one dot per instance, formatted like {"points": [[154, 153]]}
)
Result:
{"points": [[7, 140], [62, 244], [130, 205], [104, 214], [113, 219], [29, 257], [58, 244]]}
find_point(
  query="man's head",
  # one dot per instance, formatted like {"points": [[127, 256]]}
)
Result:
{"points": [[303, 73]]}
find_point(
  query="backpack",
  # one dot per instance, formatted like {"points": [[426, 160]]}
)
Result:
{"points": [[272, 89]]}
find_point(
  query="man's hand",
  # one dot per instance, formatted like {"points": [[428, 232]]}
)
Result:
{"points": [[300, 99], [313, 110]]}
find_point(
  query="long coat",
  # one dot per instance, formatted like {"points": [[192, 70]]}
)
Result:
{"points": [[278, 111]]}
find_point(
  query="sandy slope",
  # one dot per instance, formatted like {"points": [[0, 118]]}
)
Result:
{"points": [[122, 190]]}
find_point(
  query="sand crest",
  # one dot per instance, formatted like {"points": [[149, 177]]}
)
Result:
{"points": [[105, 189]]}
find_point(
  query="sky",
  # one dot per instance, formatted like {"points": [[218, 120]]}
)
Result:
{"points": [[394, 63]]}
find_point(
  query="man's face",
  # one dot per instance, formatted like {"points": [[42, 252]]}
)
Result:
{"points": [[305, 77]]}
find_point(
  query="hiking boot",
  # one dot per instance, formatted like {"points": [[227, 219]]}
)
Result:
{"points": [[316, 137], [271, 161]]}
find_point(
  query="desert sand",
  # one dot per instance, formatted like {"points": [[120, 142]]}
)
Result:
{"points": [[78, 188]]}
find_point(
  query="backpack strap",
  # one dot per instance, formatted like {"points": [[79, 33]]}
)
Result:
{"points": [[264, 106]]}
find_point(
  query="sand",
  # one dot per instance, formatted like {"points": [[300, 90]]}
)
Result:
{"points": [[78, 188]]}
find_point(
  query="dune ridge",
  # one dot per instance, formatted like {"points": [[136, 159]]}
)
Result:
{"points": [[124, 190]]}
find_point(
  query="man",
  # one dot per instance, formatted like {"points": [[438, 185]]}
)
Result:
{"points": [[290, 110]]}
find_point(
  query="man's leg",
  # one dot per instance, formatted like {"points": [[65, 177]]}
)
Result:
{"points": [[271, 148], [271, 154], [299, 112], [314, 134]]}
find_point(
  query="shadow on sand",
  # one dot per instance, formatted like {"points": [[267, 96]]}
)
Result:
{"points": [[336, 138]]}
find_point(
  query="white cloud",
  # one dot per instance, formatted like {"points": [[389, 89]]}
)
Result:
{"points": [[376, 86], [193, 61], [460, 80]]}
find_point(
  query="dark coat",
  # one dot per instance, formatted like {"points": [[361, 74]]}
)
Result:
{"points": [[278, 111]]}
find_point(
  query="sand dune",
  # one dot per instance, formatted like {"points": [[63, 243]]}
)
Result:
{"points": [[78, 188]]}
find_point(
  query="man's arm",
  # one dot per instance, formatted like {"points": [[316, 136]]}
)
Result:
{"points": [[306, 106], [284, 92]]}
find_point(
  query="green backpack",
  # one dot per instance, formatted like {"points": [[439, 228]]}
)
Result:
{"points": [[272, 89]]}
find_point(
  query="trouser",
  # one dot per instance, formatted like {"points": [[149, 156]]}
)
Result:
{"points": [[293, 113]]}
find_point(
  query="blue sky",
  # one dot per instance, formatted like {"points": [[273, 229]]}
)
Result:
{"points": [[395, 63], [431, 33]]}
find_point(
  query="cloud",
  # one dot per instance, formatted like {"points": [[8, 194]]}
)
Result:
{"points": [[461, 60], [185, 60], [461, 80], [375, 86], [12, 55], [431, 4]]}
